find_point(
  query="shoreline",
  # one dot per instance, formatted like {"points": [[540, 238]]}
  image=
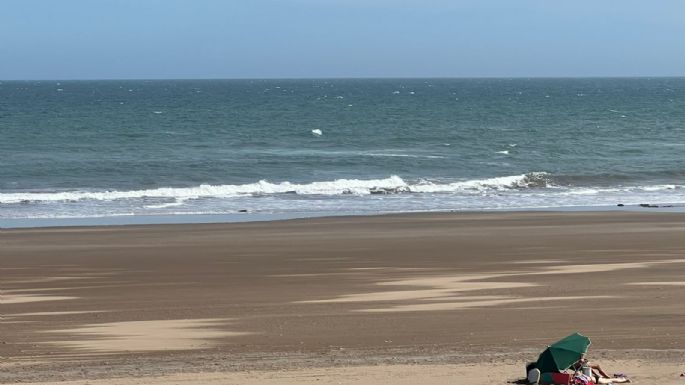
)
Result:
{"points": [[446, 296], [126, 220]]}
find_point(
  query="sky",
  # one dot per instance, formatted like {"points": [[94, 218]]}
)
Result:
{"points": [[169, 39]]}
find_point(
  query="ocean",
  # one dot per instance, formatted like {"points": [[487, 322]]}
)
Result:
{"points": [[285, 148]]}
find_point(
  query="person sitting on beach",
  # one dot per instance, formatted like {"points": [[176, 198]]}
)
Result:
{"points": [[598, 375]]}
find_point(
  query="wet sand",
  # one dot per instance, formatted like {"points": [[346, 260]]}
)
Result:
{"points": [[358, 300]]}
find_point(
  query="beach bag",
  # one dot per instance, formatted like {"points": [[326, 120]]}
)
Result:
{"points": [[533, 376]]}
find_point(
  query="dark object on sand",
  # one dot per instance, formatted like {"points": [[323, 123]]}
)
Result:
{"points": [[654, 206], [562, 354], [620, 205]]}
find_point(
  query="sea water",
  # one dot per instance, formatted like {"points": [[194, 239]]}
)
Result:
{"points": [[250, 148]]}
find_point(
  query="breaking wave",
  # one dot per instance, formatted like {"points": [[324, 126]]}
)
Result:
{"points": [[165, 197], [530, 180], [391, 185]]}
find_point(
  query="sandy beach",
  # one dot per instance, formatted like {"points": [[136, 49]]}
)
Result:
{"points": [[402, 299]]}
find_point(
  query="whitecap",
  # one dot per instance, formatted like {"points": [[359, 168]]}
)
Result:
{"points": [[335, 187], [165, 205], [583, 191], [659, 187], [535, 179], [505, 152], [177, 195], [317, 132]]}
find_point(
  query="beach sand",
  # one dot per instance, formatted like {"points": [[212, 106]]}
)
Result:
{"points": [[399, 299]]}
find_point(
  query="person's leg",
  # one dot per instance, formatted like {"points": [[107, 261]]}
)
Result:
{"points": [[603, 380], [599, 370], [616, 380]]}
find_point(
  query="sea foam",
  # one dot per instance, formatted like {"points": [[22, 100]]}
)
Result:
{"points": [[392, 184]]}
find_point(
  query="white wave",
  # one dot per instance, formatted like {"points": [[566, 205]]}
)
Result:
{"points": [[340, 186], [660, 187], [317, 132], [608, 191], [584, 191], [336, 187], [532, 184], [499, 183], [179, 202], [505, 152]]}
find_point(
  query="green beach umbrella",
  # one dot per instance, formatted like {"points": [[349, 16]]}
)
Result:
{"points": [[563, 353]]}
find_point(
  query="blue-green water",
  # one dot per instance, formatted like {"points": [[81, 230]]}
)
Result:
{"points": [[111, 148]]}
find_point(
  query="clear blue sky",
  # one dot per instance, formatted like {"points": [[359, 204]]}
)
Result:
{"points": [[97, 39]]}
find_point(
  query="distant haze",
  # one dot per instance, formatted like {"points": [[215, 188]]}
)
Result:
{"points": [[134, 39]]}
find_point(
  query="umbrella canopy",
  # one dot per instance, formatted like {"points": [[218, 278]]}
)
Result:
{"points": [[563, 353]]}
